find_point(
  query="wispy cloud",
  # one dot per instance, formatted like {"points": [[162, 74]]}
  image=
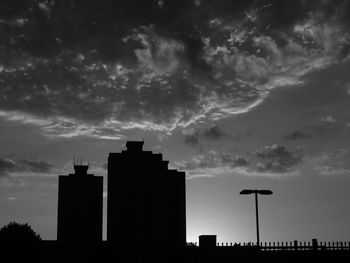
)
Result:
{"points": [[331, 162], [9, 166], [11, 198], [332, 171]]}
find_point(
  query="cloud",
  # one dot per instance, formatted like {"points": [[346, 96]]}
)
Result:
{"points": [[327, 126], [347, 88], [273, 151], [271, 161], [213, 159], [104, 165], [8, 166], [328, 119], [297, 135], [211, 164], [332, 171], [160, 55], [213, 133], [277, 158], [240, 161], [330, 162], [11, 198], [191, 136], [75, 71]]}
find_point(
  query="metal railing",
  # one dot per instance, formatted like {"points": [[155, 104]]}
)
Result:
{"points": [[285, 246]]}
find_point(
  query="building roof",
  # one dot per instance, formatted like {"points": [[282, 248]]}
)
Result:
{"points": [[134, 145]]}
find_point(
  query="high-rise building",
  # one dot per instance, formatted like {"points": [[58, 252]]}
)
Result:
{"points": [[80, 202], [146, 200]]}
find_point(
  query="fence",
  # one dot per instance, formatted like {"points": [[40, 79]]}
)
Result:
{"points": [[287, 246]]}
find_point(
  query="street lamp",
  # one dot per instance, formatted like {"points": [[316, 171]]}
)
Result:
{"points": [[256, 192]]}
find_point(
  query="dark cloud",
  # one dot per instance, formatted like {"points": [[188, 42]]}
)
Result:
{"points": [[48, 27], [233, 160], [277, 158], [103, 165], [8, 166], [194, 136], [273, 167], [36, 166], [272, 160], [213, 133], [102, 66], [297, 135], [323, 127], [240, 161], [191, 137]]}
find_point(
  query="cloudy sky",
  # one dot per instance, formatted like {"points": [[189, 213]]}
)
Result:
{"points": [[239, 94]]}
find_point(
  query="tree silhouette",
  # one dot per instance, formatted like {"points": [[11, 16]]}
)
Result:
{"points": [[18, 232]]}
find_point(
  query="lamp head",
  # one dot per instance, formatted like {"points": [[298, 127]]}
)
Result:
{"points": [[246, 192], [265, 192]]}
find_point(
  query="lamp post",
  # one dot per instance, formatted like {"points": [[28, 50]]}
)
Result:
{"points": [[256, 192]]}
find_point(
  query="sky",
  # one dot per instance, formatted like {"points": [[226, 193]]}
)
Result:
{"points": [[238, 94]]}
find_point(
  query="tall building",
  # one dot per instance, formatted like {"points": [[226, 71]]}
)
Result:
{"points": [[80, 202], [146, 201]]}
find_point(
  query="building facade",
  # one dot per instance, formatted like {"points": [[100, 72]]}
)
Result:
{"points": [[146, 201], [80, 204]]}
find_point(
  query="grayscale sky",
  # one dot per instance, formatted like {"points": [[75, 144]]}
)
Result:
{"points": [[239, 94]]}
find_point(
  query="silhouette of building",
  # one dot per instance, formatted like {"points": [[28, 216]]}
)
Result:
{"points": [[146, 200], [207, 241], [80, 202]]}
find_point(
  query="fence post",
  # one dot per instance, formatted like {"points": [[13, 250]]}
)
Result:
{"points": [[314, 244], [295, 244]]}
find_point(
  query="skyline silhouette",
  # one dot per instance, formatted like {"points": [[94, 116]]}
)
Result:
{"points": [[146, 206], [146, 221], [146, 201], [238, 94], [80, 202]]}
